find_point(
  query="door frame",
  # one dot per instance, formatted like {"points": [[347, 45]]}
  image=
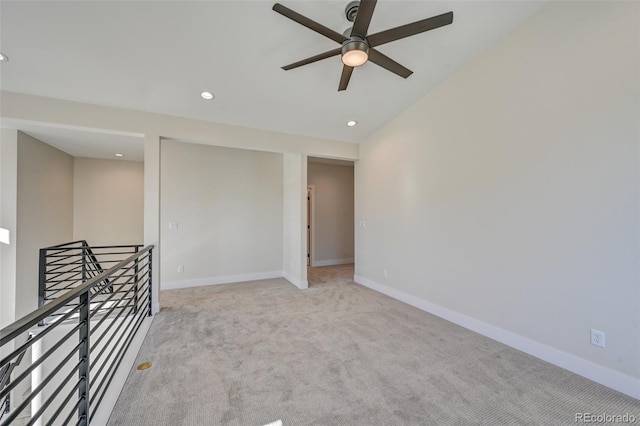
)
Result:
{"points": [[311, 229]]}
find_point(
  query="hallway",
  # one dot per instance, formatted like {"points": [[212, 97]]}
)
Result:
{"points": [[327, 275]]}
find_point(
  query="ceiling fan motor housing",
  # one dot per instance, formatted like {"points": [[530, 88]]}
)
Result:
{"points": [[355, 43], [355, 51]]}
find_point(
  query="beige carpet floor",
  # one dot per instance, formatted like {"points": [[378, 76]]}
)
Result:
{"points": [[338, 354]]}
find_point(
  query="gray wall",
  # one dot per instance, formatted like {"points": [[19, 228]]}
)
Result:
{"points": [[44, 211], [332, 242], [108, 201], [229, 207], [509, 196]]}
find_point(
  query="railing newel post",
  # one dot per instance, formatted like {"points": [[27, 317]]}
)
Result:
{"points": [[84, 261], [84, 352], [42, 278], [150, 281], [135, 283]]}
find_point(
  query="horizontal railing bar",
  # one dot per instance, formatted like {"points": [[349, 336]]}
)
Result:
{"points": [[124, 249], [13, 330], [54, 394], [10, 418], [22, 348], [77, 267], [74, 409], [107, 310], [113, 347], [72, 272], [129, 246], [80, 258], [51, 271], [42, 384], [39, 361], [65, 402], [119, 356], [105, 332], [65, 244], [102, 304], [125, 310], [69, 306], [55, 290]]}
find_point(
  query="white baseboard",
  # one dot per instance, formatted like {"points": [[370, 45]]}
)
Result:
{"points": [[598, 373], [155, 308], [101, 416], [225, 279], [295, 281], [333, 262]]}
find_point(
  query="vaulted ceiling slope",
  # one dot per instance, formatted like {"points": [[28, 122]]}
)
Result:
{"points": [[158, 56]]}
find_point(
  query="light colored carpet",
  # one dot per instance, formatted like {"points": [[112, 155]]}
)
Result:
{"points": [[338, 354]]}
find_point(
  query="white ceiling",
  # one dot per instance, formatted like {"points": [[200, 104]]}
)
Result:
{"points": [[159, 55]]}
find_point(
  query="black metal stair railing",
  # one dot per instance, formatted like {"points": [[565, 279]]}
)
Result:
{"points": [[87, 331], [65, 266]]}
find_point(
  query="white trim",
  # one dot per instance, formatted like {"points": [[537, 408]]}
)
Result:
{"points": [[296, 281], [224, 279], [117, 384], [598, 373], [155, 308], [333, 262]]}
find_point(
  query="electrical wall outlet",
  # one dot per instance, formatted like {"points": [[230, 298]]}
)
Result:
{"points": [[180, 269], [385, 273], [597, 338]]}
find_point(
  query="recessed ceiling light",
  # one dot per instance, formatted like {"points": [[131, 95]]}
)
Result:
{"points": [[207, 95], [3, 57], [119, 155], [351, 123]]}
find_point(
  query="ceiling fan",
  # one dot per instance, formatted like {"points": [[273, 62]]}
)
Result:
{"points": [[358, 47]]}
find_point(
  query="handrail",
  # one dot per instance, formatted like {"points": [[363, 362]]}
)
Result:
{"points": [[85, 241], [87, 338]]}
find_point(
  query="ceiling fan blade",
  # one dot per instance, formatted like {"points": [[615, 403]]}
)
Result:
{"points": [[345, 77], [409, 29], [389, 64], [312, 25], [312, 59], [363, 18]]}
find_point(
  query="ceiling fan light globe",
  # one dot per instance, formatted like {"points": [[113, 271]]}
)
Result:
{"points": [[355, 53], [354, 58]]}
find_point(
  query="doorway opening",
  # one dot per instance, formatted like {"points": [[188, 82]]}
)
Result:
{"points": [[330, 220]]}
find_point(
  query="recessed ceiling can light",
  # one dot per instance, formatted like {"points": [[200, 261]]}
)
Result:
{"points": [[206, 95], [3, 57], [119, 155], [351, 123]]}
